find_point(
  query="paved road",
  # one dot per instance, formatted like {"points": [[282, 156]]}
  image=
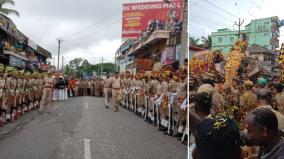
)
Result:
{"points": [[81, 128]]}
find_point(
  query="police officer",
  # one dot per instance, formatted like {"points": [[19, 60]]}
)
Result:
{"points": [[47, 94], [116, 91], [107, 90]]}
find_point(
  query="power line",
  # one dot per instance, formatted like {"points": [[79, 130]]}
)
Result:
{"points": [[94, 24], [195, 3], [208, 21], [212, 4], [98, 30], [215, 13]]}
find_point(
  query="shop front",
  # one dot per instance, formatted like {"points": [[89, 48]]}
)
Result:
{"points": [[17, 61]]}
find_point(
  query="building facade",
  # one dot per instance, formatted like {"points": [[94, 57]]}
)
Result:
{"points": [[263, 32], [18, 51]]}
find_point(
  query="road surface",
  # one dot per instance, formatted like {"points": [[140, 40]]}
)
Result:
{"points": [[81, 128]]}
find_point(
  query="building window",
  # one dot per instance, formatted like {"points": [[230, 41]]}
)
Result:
{"points": [[231, 39], [266, 23], [220, 39], [266, 34]]}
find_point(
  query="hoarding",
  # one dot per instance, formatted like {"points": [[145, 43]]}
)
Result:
{"points": [[168, 56], [137, 16]]}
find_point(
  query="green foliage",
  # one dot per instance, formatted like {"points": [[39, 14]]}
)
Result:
{"points": [[7, 11], [78, 66]]}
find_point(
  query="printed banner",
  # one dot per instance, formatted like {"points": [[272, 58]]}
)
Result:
{"points": [[168, 56], [137, 16]]}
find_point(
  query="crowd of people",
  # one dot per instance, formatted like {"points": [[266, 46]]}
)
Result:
{"points": [[242, 120], [160, 98], [66, 87]]}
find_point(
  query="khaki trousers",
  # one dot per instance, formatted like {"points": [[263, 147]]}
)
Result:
{"points": [[116, 97], [47, 96]]}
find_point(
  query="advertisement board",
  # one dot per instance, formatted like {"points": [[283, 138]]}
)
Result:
{"points": [[137, 16], [168, 56], [16, 62]]}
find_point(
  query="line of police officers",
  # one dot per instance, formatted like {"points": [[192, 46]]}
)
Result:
{"points": [[159, 97], [21, 91]]}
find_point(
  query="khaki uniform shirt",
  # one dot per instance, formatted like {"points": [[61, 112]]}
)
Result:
{"points": [[182, 89], [173, 86], [154, 86], [107, 83], [48, 82], [159, 89], [2, 85], [127, 82], [123, 83], [115, 83], [165, 87]]}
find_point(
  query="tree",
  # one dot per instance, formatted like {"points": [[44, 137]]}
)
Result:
{"points": [[193, 41], [8, 11], [78, 67], [207, 42]]}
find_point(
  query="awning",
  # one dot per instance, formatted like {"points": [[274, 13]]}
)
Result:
{"points": [[153, 38]]}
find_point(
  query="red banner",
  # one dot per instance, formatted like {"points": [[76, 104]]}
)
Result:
{"points": [[138, 16]]}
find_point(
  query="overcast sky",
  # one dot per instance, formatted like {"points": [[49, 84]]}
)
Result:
{"points": [[90, 28], [205, 17]]}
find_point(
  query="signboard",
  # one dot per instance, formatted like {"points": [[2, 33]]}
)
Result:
{"points": [[16, 62], [45, 67], [144, 64], [137, 16], [168, 56]]}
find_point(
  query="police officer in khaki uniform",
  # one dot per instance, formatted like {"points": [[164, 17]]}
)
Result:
{"points": [[116, 91], [9, 94], [123, 85], [165, 101], [107, 90], [152, 95], [47, 94], [127, 88], [180, 116], [173, 86]]}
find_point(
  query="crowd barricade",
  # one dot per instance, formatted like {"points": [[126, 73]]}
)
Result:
{"points": [[152, 109]]}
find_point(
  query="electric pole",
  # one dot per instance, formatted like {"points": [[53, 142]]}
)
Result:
{"points": [[239, 25], [59, 45], [62, 67], [184, 34]]}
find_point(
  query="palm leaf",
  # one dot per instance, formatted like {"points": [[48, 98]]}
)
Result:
{"points": [[9, 11], [2, 2]]}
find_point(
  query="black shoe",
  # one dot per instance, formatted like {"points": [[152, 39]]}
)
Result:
{"points": [[139, 115], [107, 107], [177, 135], [162, 128], [170, 134]]}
